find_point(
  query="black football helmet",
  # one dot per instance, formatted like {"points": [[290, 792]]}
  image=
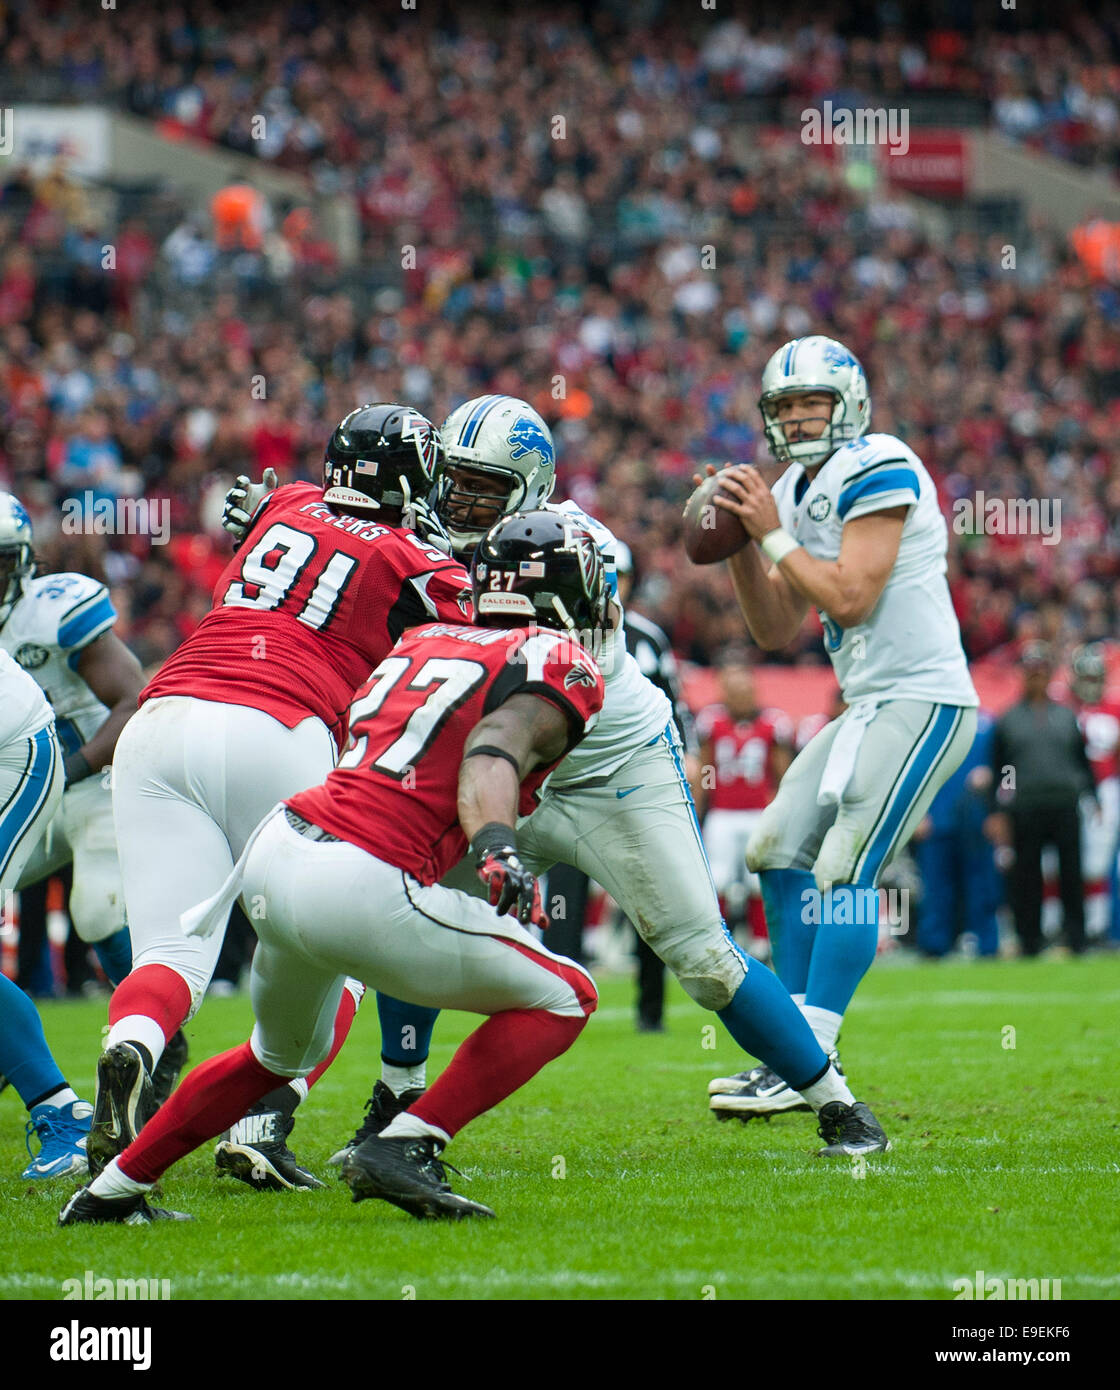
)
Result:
{"points": [[543, 568], [381, 456]]}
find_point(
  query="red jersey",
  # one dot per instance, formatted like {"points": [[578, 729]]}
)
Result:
{"points": [[311, 602], [396, 793], [741, 757], [1100, 724]]}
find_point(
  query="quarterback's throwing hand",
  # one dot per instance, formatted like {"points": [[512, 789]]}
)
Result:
{"points": [[242, 500]]}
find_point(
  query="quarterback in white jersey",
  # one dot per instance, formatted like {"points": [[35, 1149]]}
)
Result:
{"points": [[618, 808], [853, 528], [58, 628]]}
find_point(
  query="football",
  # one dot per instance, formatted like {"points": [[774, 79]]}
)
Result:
{"points": [[710, 533]]}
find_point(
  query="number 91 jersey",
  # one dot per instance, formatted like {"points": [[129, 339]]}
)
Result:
{"points": [[312, 601], [395, 793]]}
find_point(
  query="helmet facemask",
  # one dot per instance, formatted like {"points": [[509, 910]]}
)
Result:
{"points": [[467, 514], [17, 562], [806, 452]]}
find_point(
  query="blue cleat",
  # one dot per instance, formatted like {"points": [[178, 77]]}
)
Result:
{"points": [[62, 1132]]}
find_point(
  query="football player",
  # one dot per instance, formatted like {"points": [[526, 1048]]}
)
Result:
{"points": [[58, 627], [1099, 720], [31, 781], [250, 709], [618, 808], [852, 527], [744, 752], [454, 733]]}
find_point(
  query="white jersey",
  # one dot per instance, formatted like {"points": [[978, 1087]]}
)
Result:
{"points": [[23, 709], [634, 710], [909, 646], [53, 621]]}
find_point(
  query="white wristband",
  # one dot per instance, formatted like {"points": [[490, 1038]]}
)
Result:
{"points": [[777, 544]]}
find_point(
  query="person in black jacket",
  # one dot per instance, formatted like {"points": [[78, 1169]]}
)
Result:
{"points": [[1040, 772]]}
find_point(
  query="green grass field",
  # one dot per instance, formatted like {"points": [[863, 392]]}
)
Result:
{"points": [[611, 1180]]}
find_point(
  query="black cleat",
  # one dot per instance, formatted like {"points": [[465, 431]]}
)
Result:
{"points": [[168, 1069], [125, 1103], [255, 1152], [382, 1107], [849, 1130], [408, 1173], [84, 1208]]}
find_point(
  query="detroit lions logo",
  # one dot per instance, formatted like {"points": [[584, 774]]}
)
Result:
{"points": [[837, 357], [31, 656], [527, 437]]}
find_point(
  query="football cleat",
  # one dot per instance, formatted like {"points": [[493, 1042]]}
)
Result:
{"points": [[382, 1107], [63, 1131], [124, 1105], [255, 1152], [85, 1208], [762, 1093], [173, 1059], [408, 1173], [728, 1085], [849, 1130]]}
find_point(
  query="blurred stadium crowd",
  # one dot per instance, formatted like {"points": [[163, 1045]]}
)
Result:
{"points": [[569, 269], [629, 271]]}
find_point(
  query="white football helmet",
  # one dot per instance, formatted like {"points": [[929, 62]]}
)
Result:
{"points": [[498, 437], [815, 364], [17, 559]]}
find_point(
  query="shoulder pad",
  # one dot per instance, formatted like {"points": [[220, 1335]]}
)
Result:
{"points": [[68, 610]]}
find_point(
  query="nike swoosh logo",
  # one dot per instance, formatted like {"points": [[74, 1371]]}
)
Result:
{"points": [[621, 794]]}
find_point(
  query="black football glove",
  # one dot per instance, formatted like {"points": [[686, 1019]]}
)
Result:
{"points": [[242, 500], [512, 888]]}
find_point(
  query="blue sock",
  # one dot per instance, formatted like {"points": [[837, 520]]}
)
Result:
{"points": [[25, 1058], [399, 1046], [791, 936], [845, 946], [115, 955], [765, 1022]]}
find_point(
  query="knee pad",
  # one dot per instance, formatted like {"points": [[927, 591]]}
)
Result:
{"points": [[763, 845], [710, 972], [97, 908], [836, 861]]}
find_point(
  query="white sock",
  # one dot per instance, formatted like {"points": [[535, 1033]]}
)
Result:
{"points": [[63, 1096], [831, 1086], [111, 1182], [401, 1079], [825, 1025], [799, 1000], [138, 1028], [299, 1085], [407, 1126]]}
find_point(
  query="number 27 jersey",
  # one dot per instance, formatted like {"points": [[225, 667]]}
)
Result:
{"points": [[311, 602], [395, 793]]}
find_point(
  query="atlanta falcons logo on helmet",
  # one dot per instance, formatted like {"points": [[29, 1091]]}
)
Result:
{"points": [[423, 435], [578, 675]]}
